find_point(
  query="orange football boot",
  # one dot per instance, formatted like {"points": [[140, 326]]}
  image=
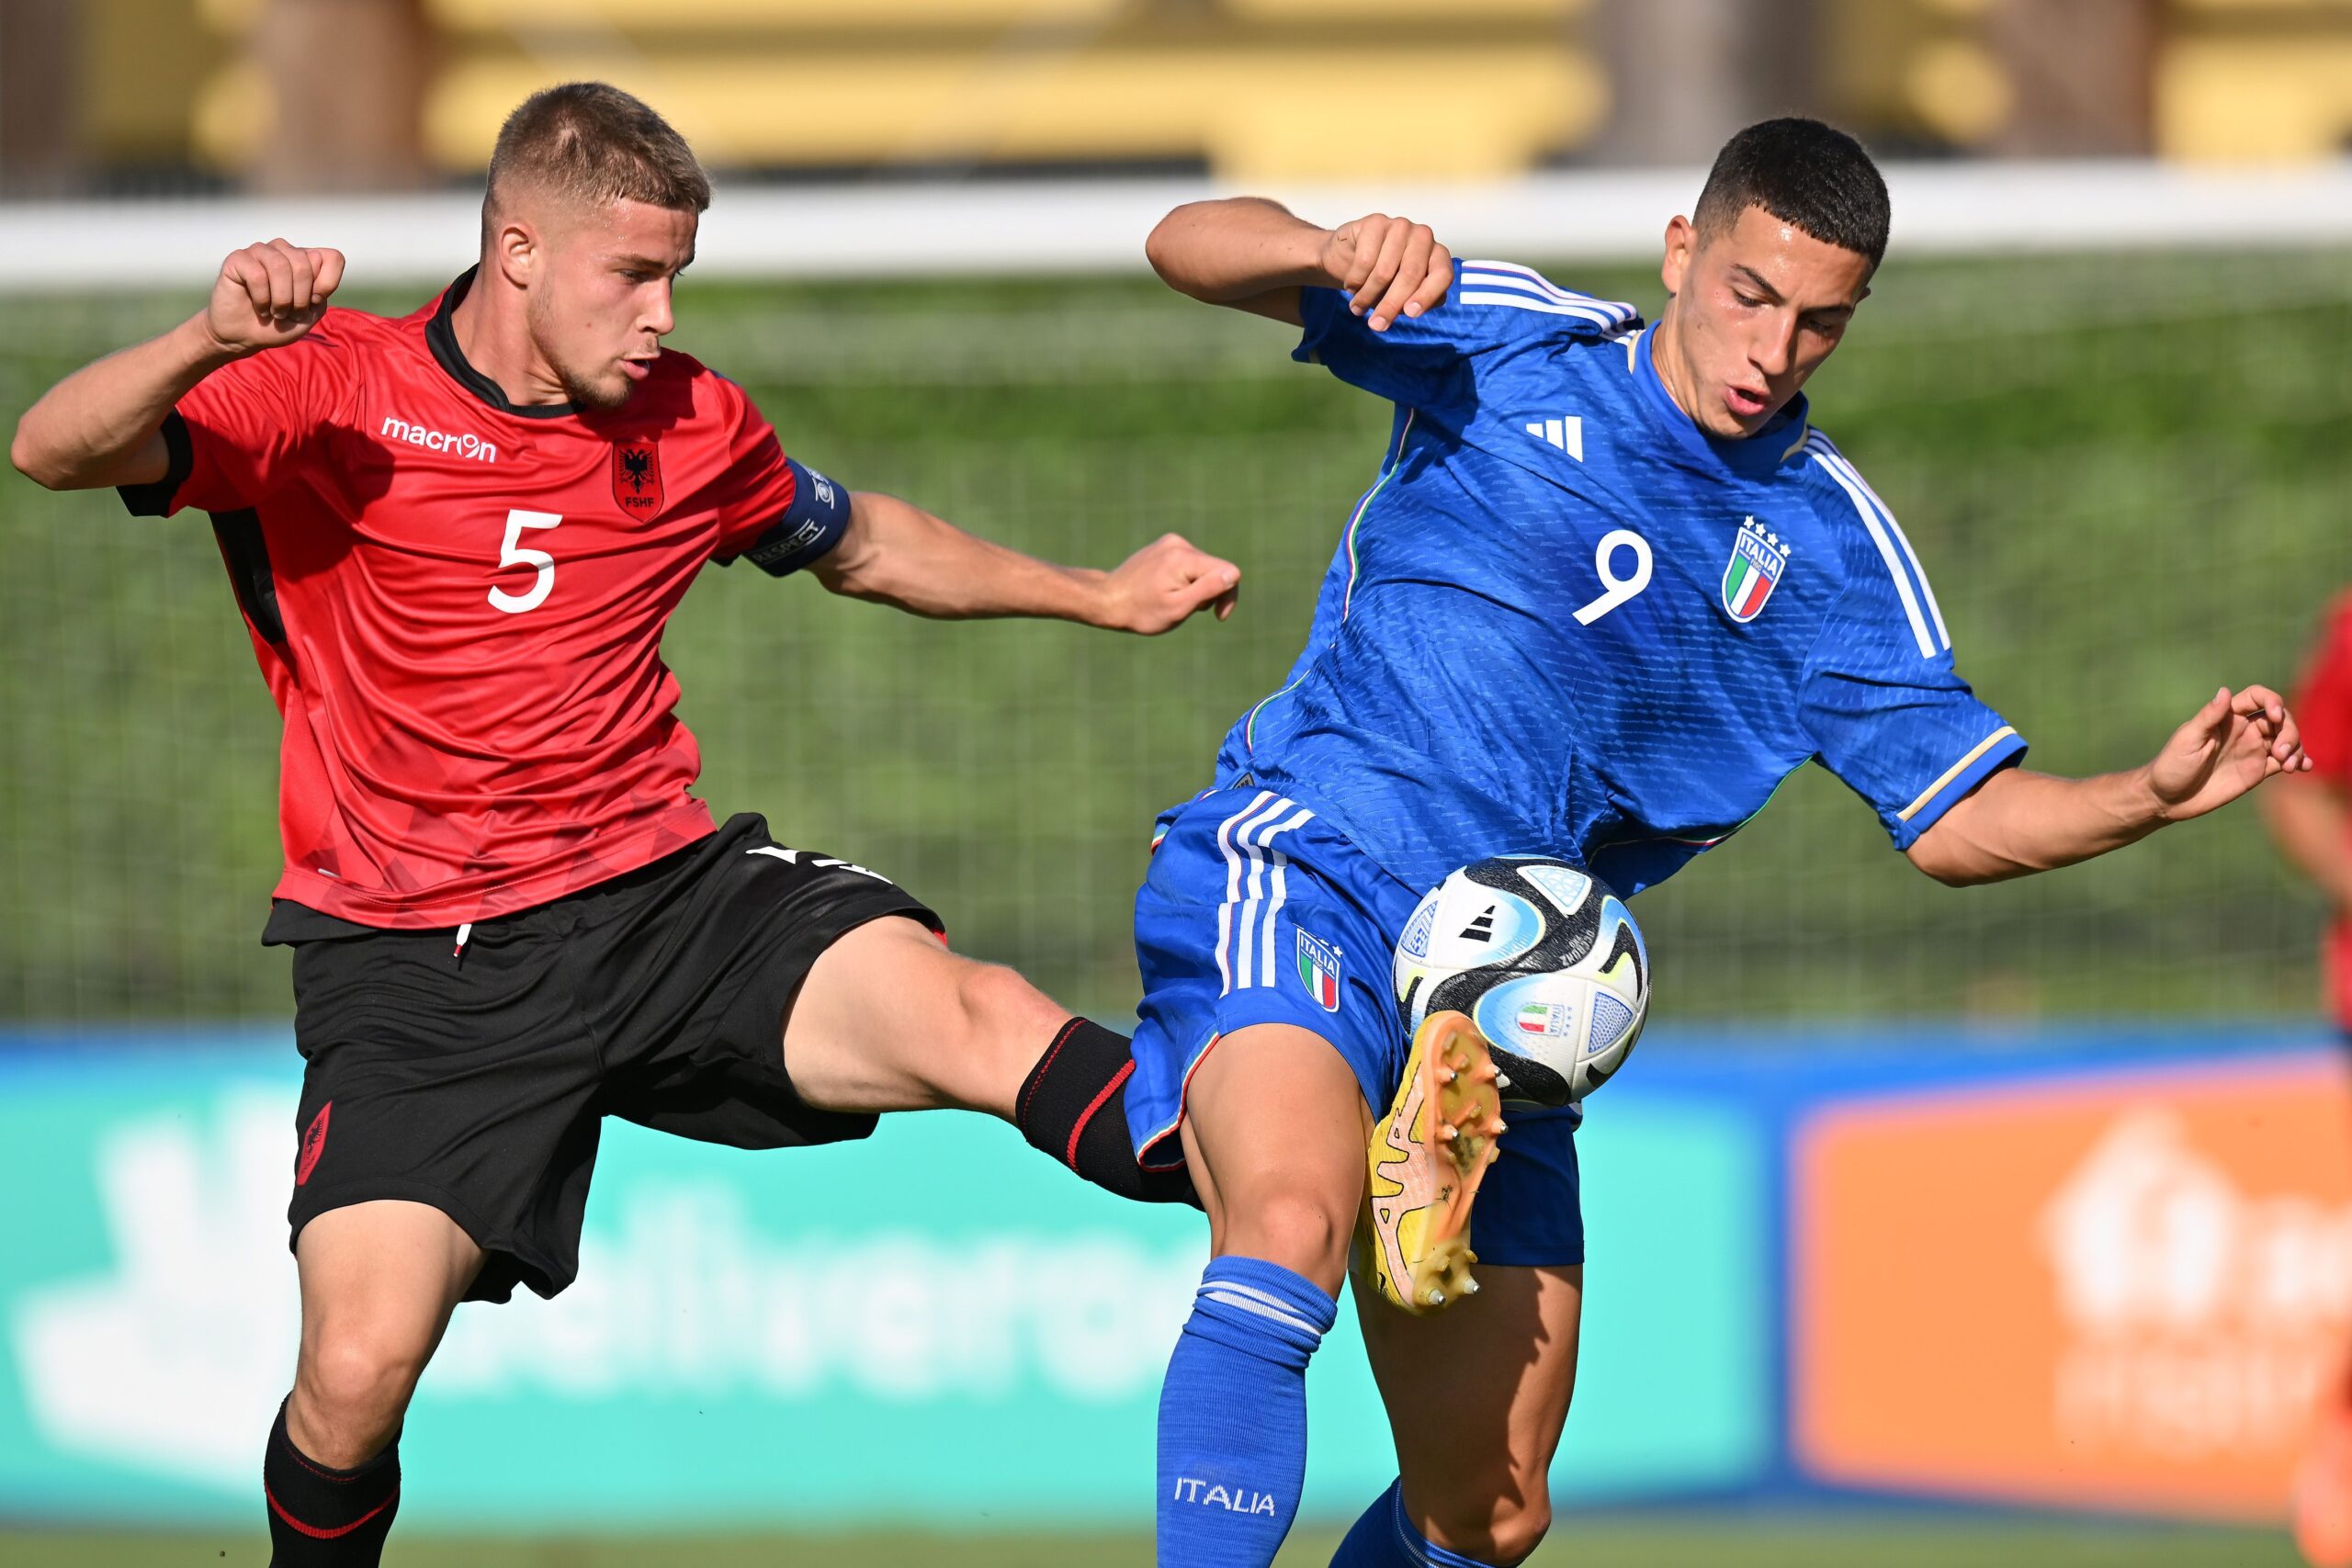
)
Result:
{"points": [[1427, 1156]]}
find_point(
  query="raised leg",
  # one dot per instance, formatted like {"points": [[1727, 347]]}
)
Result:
{"points": [[890, 1019]]}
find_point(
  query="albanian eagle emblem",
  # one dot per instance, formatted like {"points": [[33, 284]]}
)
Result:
{"points": [[636, 476]]}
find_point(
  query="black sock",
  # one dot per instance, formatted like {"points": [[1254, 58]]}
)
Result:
{"points": [[321, 1517], [1074, 1108]]}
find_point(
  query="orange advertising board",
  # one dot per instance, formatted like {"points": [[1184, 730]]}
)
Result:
{"points": [[2123, 1291]]}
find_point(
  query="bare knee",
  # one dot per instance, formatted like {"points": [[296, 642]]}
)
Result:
{"points": [[999, 1025], [995, 1004], [1502, 1529], [350, 1392], [1518, 1530], [889, 1019], [1275, 1126], [1305, 1232]]}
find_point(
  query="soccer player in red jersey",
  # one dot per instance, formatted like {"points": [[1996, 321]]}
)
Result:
{"points": [[456, 538], [2313, 822], [2312, 825]]}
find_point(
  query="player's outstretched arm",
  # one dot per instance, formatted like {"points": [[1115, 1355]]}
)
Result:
{"points": [[1253, 255], [899, 554], [2018, 822], [101, 425]]}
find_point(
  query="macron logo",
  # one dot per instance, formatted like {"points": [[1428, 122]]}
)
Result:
{"points": [[466, 445], [1567, 434]]}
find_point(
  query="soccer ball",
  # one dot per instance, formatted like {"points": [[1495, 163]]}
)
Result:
{"points": [[1547, 962]]}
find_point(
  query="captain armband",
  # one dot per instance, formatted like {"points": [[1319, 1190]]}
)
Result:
{"points": [[810, 528]]}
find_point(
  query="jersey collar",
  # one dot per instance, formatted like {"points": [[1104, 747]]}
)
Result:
{"points": [[1755, 457], [442, 337]]}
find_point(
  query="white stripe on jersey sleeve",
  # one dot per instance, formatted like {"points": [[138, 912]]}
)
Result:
{"points": [[1927, 589], [1511, 273], [1530, 302], [1507, 283], [1837, 470], [1945, 778]]}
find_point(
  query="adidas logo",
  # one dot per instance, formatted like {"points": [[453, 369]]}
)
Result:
{"points": [[1567, 433], [1481, 928]]}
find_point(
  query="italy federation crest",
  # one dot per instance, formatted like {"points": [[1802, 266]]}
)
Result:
{"points": [[1549, 1021], [636, 476], [1758, 559], [1319, 971]]}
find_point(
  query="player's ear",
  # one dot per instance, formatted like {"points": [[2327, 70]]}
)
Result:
{"points": [[515, 250], [1682, 240]]}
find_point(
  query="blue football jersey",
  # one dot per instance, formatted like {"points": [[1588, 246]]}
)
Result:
{"points": [[1565, 620]]}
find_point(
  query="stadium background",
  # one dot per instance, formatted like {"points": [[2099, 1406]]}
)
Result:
{"points": [[2127, 469]]}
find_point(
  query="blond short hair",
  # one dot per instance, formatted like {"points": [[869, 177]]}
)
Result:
{"points": [[589, 143]]}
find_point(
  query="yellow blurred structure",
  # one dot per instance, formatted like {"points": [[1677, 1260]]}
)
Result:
{"points": [[1273, 111], [1253, 89], [2225, 81], [2257, 80]]}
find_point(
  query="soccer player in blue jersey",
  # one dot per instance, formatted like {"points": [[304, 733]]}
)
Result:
{"points": [[1609, 587]]}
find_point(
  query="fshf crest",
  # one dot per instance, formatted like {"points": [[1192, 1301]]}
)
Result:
{"points": [[1757, 560], [636, 476]]}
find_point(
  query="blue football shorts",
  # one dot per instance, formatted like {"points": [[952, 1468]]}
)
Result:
{"points": [[1258, 911]]}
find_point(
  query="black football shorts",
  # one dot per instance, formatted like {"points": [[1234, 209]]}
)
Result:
{"points": [[474, 1078]]}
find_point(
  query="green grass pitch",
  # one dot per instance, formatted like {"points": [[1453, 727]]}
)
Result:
{"points": [[1614, 1540]]}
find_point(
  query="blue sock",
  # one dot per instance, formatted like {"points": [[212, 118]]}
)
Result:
{"points": [[1385, 1537], [1233, 1414]]}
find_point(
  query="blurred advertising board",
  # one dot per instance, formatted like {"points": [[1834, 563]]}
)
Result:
{"points": [[2084, 1267], [2123, 1289], [932, 1326]]}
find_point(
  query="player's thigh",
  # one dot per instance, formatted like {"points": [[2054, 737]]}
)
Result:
{"points": [[378, 1282], [1476, 1395], [388, 1270], [1274, 1132], [890, 1019]]}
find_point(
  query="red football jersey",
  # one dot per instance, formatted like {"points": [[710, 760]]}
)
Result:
{"points": [[2323, 709], [458, 605]]}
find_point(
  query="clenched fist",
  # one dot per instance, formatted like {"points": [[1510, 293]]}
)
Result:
{"points": [[269, 295], [1166, 583], [1390, 266]]}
